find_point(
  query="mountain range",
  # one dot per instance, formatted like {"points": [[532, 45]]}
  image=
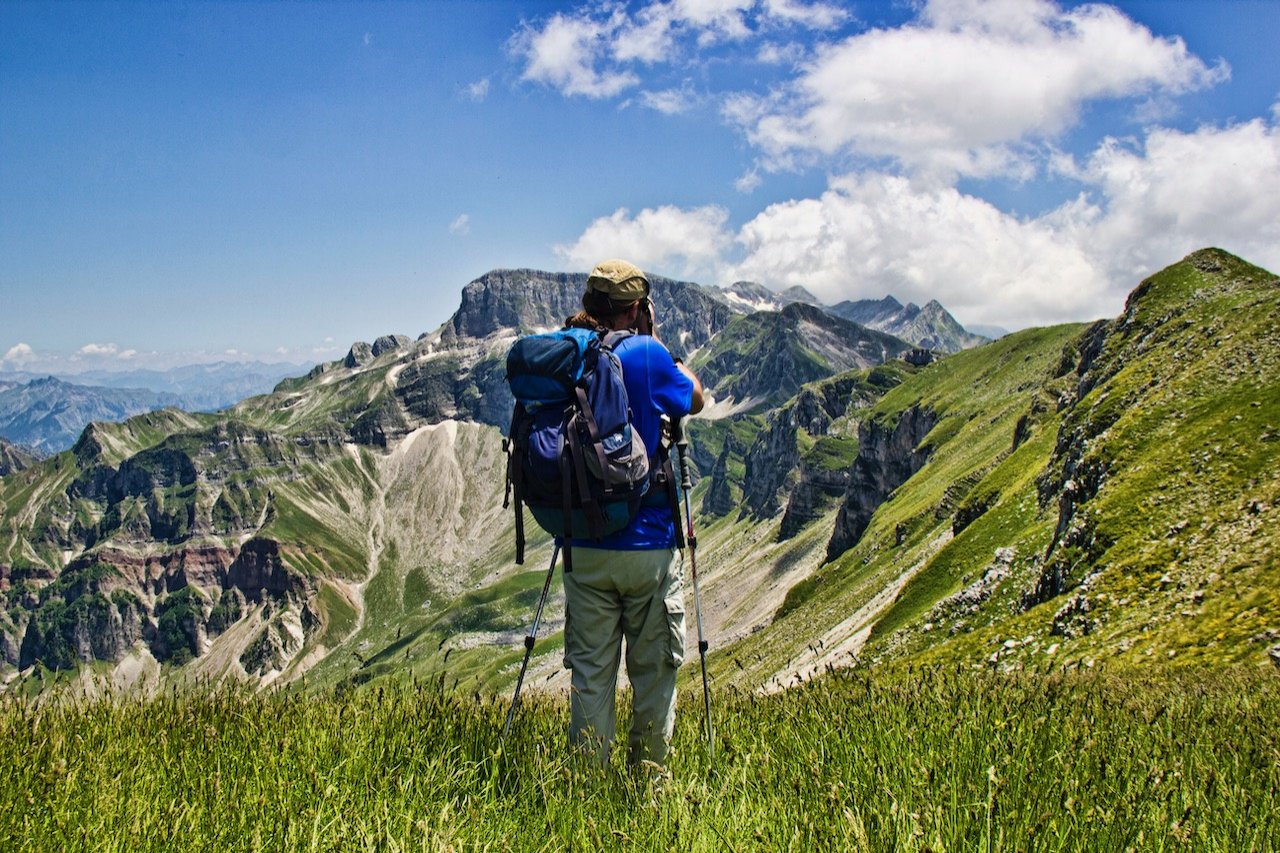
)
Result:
{"points": [[48, 413], [1060, 496]]}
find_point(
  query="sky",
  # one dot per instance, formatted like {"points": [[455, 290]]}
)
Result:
{"points": [[192, 182]]}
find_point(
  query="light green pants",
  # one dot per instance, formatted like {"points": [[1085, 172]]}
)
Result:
{"points": [[611, 596]]}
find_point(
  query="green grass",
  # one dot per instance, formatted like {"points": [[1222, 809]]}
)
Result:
{"points": [[901, 760]]}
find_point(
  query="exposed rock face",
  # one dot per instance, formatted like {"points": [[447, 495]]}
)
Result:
{"points": [[447, 386], [104, 603], [359, 355], [276, 643], [259, 572], [777, 473], [813, 495], [92, 627], [719, 499], [380, 424], [390, 343], [774, 458], [14, 458], [888, 455], [520, 299], [523, 301]]}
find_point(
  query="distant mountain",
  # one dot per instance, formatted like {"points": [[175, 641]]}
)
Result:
{"points": [[198, 387], [797, 293], [48, 413], [751, 296], [931, 327], [993, 333], [762, 359]]}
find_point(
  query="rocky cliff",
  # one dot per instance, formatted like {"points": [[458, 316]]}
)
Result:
{"points": [[521, 301], [14, 458], [890, 452]]}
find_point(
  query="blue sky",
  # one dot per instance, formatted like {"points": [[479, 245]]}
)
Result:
{"points": [[194, 182]]}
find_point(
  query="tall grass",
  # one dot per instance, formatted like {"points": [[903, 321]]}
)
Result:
{"points": [[913, 760]]}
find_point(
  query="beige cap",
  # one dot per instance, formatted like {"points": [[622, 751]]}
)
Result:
{"points": [[621, 281]]}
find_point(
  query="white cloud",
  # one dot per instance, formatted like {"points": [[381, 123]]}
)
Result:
{"points": [[748, 182], [670, 101], [966, 90], [969, 88], [98, 350], [367, 40], [873, 234], [564, 52], [461, 226], [1148, 204], [818, 16], [1178, 192], [595, 51], [477, 91], [19, 355], [773, 53], [687, 243]]}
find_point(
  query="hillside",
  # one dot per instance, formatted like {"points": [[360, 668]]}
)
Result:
{"points": [[1060, 495], [346, 526], [1064, 496]]}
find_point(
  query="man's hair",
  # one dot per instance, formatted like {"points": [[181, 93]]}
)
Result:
{"points": [[598, 310]]}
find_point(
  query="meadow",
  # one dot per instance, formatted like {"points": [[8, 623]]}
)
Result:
{"points": [[899, 759]]}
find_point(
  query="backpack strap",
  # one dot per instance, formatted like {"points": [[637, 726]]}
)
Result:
{"points": [[587, 497], [514, 447], [593, 429], [610, 338], [566, 506]]}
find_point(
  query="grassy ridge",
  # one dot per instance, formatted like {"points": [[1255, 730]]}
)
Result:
{"points": [[910, 760]]}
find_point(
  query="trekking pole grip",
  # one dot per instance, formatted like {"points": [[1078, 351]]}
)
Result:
{"points": [[682, 449]]}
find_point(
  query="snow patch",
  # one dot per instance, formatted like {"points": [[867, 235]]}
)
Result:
{"points": [[750, 304], [715, 410]]}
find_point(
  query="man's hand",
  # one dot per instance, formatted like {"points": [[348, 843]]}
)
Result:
{"points": [[645, 323]]}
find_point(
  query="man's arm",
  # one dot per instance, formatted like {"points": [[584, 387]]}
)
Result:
{"points": [[696, 403], [645, 324]]}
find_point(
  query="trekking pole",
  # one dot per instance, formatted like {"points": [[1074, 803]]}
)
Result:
{"points": [[528, 640], [686, 486]]}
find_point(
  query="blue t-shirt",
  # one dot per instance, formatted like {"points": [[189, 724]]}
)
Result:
{"points": [[655, 387]]}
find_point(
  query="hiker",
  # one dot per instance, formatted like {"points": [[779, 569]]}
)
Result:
{"points": [[630, 584]]}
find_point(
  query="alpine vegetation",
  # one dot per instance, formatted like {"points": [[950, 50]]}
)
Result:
{"points": [[1019, 595]]}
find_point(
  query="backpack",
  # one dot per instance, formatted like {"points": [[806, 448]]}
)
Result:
{"points": [[573, 456]]}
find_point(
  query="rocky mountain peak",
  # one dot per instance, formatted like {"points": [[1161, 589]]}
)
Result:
{"points": [[515, 299]]}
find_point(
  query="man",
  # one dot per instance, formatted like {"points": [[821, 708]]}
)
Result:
{"points": [[630, 585]]}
